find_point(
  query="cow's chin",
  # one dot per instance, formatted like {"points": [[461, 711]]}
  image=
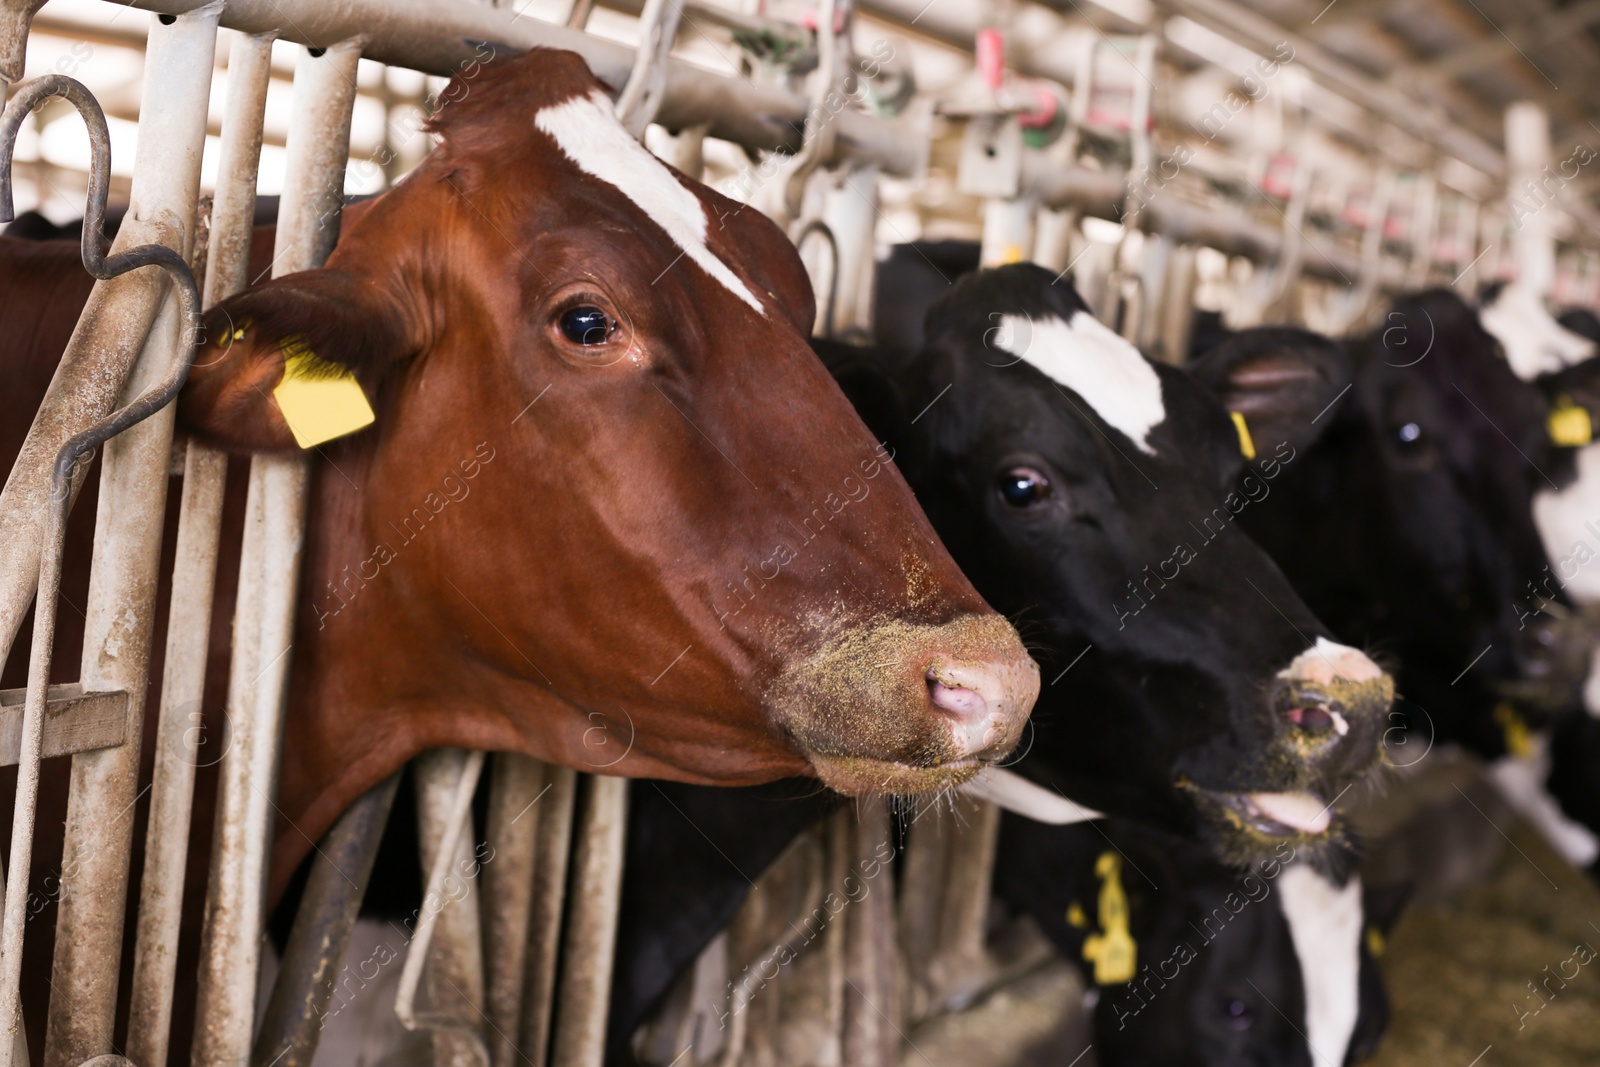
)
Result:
{"points": [[856, 776], [1246, 827]]}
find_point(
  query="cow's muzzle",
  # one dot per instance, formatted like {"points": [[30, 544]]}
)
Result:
{"points": [[898, 707], [1550, 654], [1328, 710]]}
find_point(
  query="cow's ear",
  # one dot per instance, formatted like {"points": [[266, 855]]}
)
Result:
{"points": [[870, 381], [293, 363], [1573, 396], [1278, 382]]}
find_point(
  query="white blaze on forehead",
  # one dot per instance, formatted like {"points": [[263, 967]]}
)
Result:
{"points": [[586, 128], [1328, 661], [1325, 926], [1095, 362], [1534, 341]]}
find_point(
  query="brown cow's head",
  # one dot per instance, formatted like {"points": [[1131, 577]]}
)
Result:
{"points": [[612, 502]]}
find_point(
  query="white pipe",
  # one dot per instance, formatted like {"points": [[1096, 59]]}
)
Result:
{"points": [[269, 571], [128, 528], [193, 583]]}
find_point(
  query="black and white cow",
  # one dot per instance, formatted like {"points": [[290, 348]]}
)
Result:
{"points": [[1090, 495], [1552, 776], [1269, 965], [1408, 525]]}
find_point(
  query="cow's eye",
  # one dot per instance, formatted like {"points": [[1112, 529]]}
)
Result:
{"points": [[587, 325], [1238, 1015], [1409, 434], [1023, 487]]}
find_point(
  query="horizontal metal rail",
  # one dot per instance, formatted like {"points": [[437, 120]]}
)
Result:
{"points": [[444, 37]]}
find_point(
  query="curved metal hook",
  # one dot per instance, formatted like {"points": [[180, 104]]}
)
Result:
{"points": [[818, 227], [68, 457], [95, 258]]}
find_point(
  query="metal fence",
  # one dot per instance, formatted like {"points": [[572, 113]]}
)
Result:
{"points": [[554, 888]]}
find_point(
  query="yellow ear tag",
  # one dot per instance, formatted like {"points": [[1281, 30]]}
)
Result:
{"points": [[1112, 951], [318, 405], [1518, 738], [1569, 425], [1376, 942], [1076, 917], [1247, 447]]}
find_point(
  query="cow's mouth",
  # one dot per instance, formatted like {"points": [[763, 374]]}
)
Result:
{"points": [[1299, 814], [859, 776]]}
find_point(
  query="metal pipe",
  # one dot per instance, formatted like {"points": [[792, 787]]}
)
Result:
{"points": [[590, 945], [15, 18], [515, 786], [871, 1005], [441, 37], [341, 869], [127, 548], [193, 583], [446, 780], [269, 572], [552, 850]]}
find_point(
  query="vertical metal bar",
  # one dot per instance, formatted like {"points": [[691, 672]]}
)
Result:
{"points": [[871, 1002], [592, 926], [193, 582], [340, 872], [516, 785], [966, 895], [269, 570], [551, 853], [446, 954], [1533, 245], [923, 864], [127, 547]]}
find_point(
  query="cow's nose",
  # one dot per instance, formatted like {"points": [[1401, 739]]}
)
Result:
{"points": [[980, 701], [1329, 688], [1553, 649]]}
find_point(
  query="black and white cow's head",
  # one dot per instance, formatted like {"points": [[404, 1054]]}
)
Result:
{"points": [[1266, 966], [1089, 494], [1409, 524]]}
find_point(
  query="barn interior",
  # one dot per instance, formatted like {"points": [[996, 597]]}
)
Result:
{"points": [[1194, 167]]}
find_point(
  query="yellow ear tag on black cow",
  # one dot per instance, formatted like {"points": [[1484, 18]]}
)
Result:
{"points": [[1518, 738], [1569, 425], [1075, 916], [1112, 950], [1376, 942], [1247, 446], [319, 400]]}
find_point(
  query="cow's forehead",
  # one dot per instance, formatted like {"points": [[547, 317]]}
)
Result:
{"points": [[1093, 361], [588, 132]]}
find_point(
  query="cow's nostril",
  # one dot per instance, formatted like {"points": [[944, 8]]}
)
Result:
{"points": [[957, 700], [1316, 720]]}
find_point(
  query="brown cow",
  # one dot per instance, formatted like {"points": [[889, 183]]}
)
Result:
{"points": [[609, 486]]}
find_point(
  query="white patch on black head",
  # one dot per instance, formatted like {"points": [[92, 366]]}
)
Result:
{"points": [[1534, 341], [1095, 362], [1325, 925], [586, 128]]}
